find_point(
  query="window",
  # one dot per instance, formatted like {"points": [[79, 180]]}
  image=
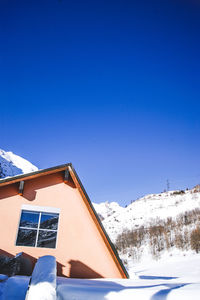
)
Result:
{"points": [[37, 229]]}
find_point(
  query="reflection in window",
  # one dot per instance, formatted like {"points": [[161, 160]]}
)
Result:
{"points": [[49, 221], [47, 239], [29, 219], [37, 229], [26, 237]]}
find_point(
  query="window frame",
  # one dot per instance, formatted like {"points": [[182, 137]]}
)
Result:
{"points": [[41, 210]]}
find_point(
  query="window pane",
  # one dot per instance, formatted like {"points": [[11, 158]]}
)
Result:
{"points": [[26, 237], [49, 221], [29, 219], [47, 239]]}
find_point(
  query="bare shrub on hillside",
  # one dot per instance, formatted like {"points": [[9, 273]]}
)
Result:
{"points": [[181, 192], [188, 218], [156, 238], [130, 238], [136, 253], [162, 235], [195, 239], [179, 240]]}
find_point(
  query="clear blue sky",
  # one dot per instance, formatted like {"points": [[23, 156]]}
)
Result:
{"points": [[111, 86]]}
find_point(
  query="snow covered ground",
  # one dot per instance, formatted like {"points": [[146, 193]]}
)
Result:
{"points": [[175, 278]]}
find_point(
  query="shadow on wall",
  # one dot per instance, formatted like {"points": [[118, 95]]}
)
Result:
{"points": [[9, 191], [5, 253], [24, 265], [32, 185], [77, 269], [21, 264], [80, 270], [60, 269]]}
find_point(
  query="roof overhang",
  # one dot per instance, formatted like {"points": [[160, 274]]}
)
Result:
{"points": [[39, 173]]}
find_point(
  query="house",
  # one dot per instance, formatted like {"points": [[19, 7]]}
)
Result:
{"points": [[48, 212]]}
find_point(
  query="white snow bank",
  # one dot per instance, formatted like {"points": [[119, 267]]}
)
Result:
{"points": [[174, 280], [151, 289], [15, 288], [85, 289], [43, 281]]}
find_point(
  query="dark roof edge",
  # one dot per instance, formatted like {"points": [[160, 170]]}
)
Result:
{"points": [[100, 223], [26, 175]]}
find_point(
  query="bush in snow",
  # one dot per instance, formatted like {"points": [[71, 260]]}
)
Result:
{"points": [[195, 239], [161, 235], [178, 192], [130, 238]]}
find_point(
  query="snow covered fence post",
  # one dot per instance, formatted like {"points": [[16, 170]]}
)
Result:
{"points": [[43, 280]]}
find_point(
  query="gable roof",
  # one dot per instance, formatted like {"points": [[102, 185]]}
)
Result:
{"points": [[86, 199], [18, 178]]}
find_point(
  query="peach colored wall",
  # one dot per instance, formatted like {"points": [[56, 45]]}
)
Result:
{"points": [[80, 251]]}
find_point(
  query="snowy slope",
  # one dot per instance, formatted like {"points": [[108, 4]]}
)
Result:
{"points": [[176, 279], [147, 210], [106, 209], [155, 227], [12, 164]]}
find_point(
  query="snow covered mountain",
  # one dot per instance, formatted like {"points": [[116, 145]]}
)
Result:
{"points": [[154, 227], [106, 209], [12, 164], [145, 210]]}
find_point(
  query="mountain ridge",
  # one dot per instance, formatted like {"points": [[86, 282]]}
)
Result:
{"points": [[154, 227], [144, 210], [12, 165]]}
